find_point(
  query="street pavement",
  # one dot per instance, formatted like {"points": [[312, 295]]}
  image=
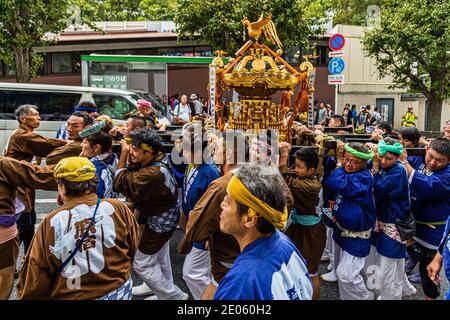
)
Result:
{"points": [[46, 202]]}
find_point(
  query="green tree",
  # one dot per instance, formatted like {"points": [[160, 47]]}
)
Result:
{"points": [[154, 10], [115, 10], [132, 10], [414, 32], [219, 22], [24, 25], [353, 12]]}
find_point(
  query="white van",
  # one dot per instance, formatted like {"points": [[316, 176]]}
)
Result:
{"points": [[56, 103]]}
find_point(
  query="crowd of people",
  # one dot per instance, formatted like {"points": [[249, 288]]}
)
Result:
{"points": [[363, 117], [257, 219]]}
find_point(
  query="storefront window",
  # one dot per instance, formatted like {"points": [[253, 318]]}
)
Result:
{"points": [[61, 63], [116, 107], [9, 71]]}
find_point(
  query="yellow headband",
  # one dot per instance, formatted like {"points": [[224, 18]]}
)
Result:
{"points": [[145, 147], [241, 194], [74, 169]]}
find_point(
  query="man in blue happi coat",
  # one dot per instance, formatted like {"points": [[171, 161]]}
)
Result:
{"points": [[430, 204], [354, 217]]}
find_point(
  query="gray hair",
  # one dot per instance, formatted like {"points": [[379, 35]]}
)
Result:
{"points": [[264, 182], [23, 110]]}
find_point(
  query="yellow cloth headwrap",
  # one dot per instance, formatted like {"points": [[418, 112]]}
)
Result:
{"points": [[241, 194], [74, 169]]}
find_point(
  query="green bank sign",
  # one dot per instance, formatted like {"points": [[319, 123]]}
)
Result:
{"points": [[109, 81]]}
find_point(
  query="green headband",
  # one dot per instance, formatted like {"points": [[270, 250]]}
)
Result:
{"points": [[96, 128], [396, 148], [361, 155]]}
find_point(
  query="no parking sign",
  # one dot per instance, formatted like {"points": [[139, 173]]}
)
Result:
{"points": [[337, 42]]}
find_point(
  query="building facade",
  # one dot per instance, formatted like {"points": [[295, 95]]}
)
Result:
{"points": [[363, 86], [63, 62]]}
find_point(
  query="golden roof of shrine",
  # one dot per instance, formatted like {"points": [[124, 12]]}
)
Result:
{"points": [[258, 71]]}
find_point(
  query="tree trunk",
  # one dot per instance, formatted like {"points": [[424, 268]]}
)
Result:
{"points": [[434, 115], [23, 64], [226, 38]]}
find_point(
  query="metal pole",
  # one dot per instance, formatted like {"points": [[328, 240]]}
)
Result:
{"points": [[85, 73], [336, 91]]}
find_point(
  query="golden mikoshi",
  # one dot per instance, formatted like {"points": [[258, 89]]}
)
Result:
{"points": [[257, 72]]}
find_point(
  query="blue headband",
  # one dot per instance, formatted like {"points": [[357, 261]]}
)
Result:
{"points": [[88, 109]]}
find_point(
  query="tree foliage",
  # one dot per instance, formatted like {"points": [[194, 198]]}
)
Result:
{"points": [[132, 10], [414, 32], [154, 10], [24, 24], [354, 12], [219, 22]]}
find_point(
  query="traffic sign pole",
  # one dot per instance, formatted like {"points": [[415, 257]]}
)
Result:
{"points": [[336, 65], [336, 92]]}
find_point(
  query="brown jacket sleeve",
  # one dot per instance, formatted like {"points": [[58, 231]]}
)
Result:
{"points": [[24, 174], [41, 146], [289, 199], [302, 190], [35, 277], [294, 183], [204, 219], [72, 149], [7, 199], [144, 184]]}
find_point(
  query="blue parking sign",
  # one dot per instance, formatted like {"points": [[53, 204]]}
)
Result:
{"points": [[336, 66]]}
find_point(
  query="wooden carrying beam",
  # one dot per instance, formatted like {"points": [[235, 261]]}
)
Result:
{"points": [[359, 136], [332, 129]]}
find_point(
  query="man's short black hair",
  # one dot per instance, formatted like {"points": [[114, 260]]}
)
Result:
{"points": [[309, 156], [441, 146], [87, 119], [410, 133], [78, 189], [384, 125], [339, 118], [147, 136], [138, 122]]}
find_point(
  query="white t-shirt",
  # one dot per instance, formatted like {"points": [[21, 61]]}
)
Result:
{"points": [[182, 111]]}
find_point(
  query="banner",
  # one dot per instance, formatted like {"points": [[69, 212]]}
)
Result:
{"points": [[311, 78], [212, 92]]}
